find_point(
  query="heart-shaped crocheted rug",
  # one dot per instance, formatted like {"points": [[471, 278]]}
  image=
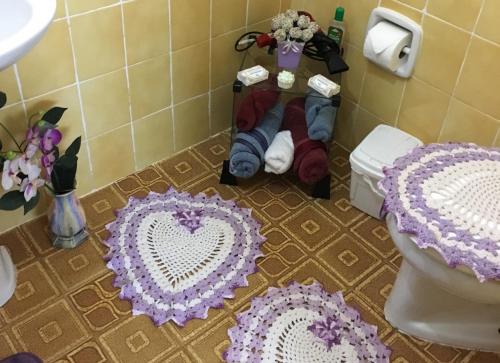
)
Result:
{"points": [[303, 323], [176, 255]]}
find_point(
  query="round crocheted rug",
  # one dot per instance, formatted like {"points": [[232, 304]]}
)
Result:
{"points": [[448, 197], [303, 323], [176, 255]]}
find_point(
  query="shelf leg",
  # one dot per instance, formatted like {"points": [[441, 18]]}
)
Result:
{"points": [[226, 177], [322, 188]]}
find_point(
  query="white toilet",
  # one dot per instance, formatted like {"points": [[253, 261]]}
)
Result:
{"points": [[437, 303]]}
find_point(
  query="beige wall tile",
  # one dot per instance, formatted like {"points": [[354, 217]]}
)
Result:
{"points": [[225, 61], [190, 71], [466, 124], [13, 118], [9, 219], [60, 9], [149, 86], [345, 124], [71, 123], [8, 85], [423, 110], [112, 156], [356, 19], [322, 11], [228, 15], [352, 80], [403, 9], [287, 4], [84, 178], [98, 42], [79, 6], [221, 109], [154, 139], [105, 103], [49, 65], [364, 124], [190, 22], [381, 93], [478, 83], [145, 42], [488, 21], [441, 55], [191, 122], [419, 4], [462, 13], [497, 140], [259, 10]]}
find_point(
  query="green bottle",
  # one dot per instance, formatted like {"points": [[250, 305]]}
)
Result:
{"points": [[336, 29]]}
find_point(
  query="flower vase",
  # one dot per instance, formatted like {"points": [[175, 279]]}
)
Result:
{"points": [[67, 221], [289, 53]]}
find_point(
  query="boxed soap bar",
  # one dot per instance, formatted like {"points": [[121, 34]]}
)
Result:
{"points": [[253, 75], [323, 85]]}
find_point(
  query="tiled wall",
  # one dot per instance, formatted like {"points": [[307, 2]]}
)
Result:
{"points": [[142, 79], [453, 93]]}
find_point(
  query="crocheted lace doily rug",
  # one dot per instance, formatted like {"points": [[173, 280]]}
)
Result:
{"points": [[448, 196], [303, 323], [176, 255]]}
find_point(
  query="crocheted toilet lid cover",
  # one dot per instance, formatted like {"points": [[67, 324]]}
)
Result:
{"points": [[448, 196], [303, 323], [176, 255]]}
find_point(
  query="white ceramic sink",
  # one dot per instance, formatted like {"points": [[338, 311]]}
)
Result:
{"points": [[22, 25]]}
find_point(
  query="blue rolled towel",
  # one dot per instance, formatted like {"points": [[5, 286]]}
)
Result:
{"points": [[320, 116], [249, 147]]}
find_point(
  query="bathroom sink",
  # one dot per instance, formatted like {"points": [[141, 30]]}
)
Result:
{"points": [[22, 24]]}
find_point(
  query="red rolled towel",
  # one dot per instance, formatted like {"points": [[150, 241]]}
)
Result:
{"points": [[256, 104], [310, 158]]}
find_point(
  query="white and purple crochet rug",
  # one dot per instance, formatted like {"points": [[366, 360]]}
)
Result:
{"points": [[176, 255], [448, 197], [303, 323]]}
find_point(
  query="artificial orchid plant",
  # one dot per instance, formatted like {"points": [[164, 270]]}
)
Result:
{"points": [[290, 26], [35, 162]]}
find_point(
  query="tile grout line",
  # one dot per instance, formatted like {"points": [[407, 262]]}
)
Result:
{"points": [[496, 140], [20, 89], [78, 89], [459, 75], [210, 68], [127, 78], [171, 70]]}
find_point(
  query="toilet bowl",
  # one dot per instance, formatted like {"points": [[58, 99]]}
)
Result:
{"points": [[437, 303]]}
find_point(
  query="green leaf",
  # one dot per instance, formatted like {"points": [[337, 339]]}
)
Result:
{"points": [[32, 203], [3, 99], [74, 148], [12, 200], [53, 115]]}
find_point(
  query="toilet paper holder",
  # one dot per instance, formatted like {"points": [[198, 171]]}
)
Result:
{"points": [[408, 54]]}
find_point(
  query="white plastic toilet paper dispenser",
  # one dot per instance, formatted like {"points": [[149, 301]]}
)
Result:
{"points": [[392, 41]]}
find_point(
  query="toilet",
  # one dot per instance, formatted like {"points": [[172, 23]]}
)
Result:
{"points": [[440, 304]]}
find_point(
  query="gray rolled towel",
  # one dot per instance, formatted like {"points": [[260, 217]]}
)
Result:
{"points": [[249, 147], [320, 116]]}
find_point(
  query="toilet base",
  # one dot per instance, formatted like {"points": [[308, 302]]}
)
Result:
{"points": [[418, 307]]}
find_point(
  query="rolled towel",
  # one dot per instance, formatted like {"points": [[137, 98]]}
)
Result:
{"points": [[310, 159], [320, 116], [249, 147], [255, 105], [279, 155]]}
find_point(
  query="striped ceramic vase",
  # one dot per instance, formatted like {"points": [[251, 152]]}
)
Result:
{"points": [[67, 221]]}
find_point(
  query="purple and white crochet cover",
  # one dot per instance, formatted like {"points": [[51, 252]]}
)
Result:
{"points": [[176, 255], [303, 323], [448, 197]]}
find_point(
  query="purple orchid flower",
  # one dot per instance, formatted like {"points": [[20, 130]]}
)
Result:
{"points": [[9, 174], [327, 330], [48, 161], [50, 139]]}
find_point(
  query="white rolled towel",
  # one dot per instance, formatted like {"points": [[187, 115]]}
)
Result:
{"points": [[279, 155]]}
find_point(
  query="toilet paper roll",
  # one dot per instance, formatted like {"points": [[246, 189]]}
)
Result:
{"points": [[384, 44]]}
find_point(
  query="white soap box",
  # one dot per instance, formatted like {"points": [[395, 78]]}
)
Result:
{"points": [[323, 85], [253, 75]]}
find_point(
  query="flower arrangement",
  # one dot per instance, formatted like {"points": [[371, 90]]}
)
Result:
{"points": [[290, 26], [36, 162]]}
